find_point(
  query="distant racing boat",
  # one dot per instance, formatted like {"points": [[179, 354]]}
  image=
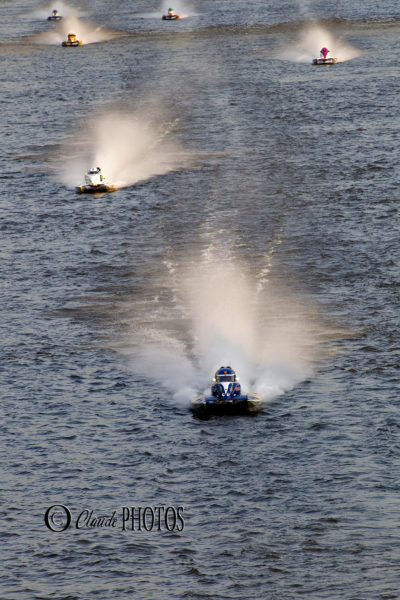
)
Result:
{"points": [[171, 16], [55, 16]]}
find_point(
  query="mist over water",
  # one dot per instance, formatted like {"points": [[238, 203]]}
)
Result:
{"points": [[128, 147], [63, 9], [85, 31], [181, 8], [222, 317], [311, 40]]}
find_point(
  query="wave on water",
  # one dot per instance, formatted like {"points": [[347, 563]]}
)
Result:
{"points": [[128, 147], [85, 31], [220, 315]]}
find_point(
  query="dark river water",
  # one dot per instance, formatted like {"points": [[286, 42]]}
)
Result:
{"points": [[256, 224]]}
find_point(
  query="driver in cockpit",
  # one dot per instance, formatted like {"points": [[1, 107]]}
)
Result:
{"points": [[225, 383]]}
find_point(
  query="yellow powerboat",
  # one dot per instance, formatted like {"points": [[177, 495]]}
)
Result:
{"points": [[72, 41]]}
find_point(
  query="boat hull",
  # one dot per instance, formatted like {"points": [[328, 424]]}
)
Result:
{"points": [[325, 61], [206, 406], [170, 17], [72, 44], [95, 189], [54, 18]]}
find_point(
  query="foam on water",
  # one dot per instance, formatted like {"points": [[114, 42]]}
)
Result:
{"points": [[85, 31]]}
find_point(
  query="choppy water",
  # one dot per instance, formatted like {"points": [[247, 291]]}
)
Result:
{"points": [[262, 229]]}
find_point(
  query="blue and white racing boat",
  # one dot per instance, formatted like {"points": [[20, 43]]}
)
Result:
{"points": [[226, 397]]}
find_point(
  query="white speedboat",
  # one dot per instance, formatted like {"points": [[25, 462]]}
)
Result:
{"points": [[95, 183]]}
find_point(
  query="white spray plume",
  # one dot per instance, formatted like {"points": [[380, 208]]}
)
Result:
{"points": [[270, 338], [181, 7], [64, 10], [310, 42], [128, 148], [85, 31]]}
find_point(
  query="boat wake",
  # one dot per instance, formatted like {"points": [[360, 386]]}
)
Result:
{"points": [[181, 8], [129, 148], [84, 30], [309, 43], [218, 315], [63, 9]]}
